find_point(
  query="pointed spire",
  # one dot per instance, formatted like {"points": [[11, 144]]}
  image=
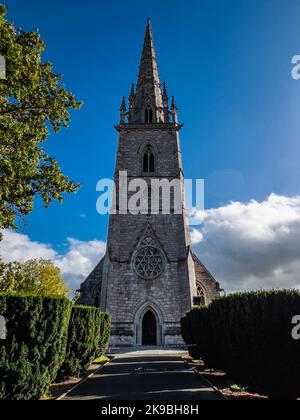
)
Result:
{"points": [[131, 101], [174, 110], [165, 94], [148, 100], [123, 105], [123, 111], [174, 106], [165, 103], [131, 98], [148, 71], [148, 90], [132, 92]]}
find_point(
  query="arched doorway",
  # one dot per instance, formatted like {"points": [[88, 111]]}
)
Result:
{"points": [[144, 323], [149, 329]]}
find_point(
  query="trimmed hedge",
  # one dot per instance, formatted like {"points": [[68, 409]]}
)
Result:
{"points": [[105, 324], [83, 340], [249, 336], [35, 344]]}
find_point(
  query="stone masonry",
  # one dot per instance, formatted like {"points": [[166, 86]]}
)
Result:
{"points": [[149, 276]]}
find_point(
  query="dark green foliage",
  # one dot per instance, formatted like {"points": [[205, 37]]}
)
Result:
{"points": [[105, 322], [249, 337], [186, 329], [83, 340], [33, 104], [35, 346], [197, 334], [46, 335], [190, 326]]}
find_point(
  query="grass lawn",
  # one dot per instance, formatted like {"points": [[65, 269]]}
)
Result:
{"points": [[101, 360]]}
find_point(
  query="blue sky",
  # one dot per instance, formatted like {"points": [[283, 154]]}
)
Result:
{"points": [[228, 63]]}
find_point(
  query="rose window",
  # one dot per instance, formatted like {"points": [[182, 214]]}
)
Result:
{"points": [[149, 262]]}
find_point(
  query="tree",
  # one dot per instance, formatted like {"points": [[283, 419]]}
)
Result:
{"points": [[33, 102], [39, 277]]}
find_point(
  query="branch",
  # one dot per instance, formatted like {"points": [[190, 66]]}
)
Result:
{"points": [[23, 109]]}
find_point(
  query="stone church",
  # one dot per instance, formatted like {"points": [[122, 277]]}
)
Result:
{"points": [[149, 277]]}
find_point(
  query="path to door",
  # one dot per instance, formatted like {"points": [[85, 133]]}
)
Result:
{"points": [[145, 375]]}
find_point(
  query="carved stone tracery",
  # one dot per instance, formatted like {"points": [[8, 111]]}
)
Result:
{"points": [[149, 260]]}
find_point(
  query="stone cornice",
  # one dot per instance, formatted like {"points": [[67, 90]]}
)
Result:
{"points": [[156, 126]]}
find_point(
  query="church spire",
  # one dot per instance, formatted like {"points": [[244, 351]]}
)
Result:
{"points": [[148, 95], [148, 72], [148, 100]]}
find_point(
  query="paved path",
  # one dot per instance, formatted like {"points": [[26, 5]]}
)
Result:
{"points": [[146, 375]]}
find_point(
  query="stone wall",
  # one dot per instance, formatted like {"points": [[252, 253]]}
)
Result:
{"points": [[90, 290], [206, 281], [124, 293]]}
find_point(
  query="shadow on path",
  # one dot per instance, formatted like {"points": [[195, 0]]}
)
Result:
{"points": [[145, 377]]}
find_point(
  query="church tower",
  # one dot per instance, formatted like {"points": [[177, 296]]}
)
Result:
{"points": [[149, 276]]}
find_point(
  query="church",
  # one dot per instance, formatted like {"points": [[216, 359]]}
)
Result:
{"points": [[149, 277]]}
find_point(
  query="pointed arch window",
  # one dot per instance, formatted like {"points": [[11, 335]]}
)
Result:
{"points": [[148, 160], [149, 260], [148, 115], [200, 299], [98, 298]]}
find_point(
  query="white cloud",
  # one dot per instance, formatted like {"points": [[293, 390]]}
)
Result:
{"points": [[79, 261], [246, 246], [76, 264], [252, 245], [18, 247], [196, 236]]}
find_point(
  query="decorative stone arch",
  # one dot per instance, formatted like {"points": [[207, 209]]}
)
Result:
{"points": [[150, 149], [148, 255], [138, 323], [145, 144], [202, 293], [149, 114], [97, 295]]}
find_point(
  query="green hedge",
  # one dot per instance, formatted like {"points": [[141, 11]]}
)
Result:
{"points": [[35, 345], [83, 340], [249, 337], [105, 324]]}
